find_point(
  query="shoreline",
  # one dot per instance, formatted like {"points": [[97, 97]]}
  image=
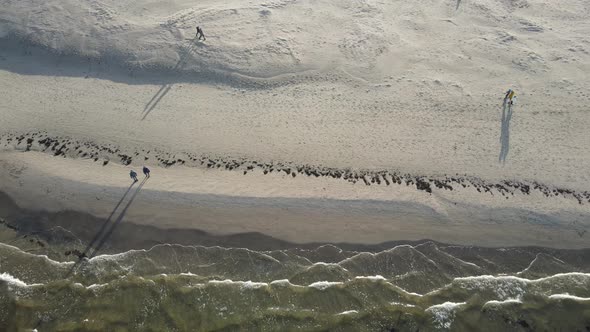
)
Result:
{"points": [[296, 210], [314, 166]]}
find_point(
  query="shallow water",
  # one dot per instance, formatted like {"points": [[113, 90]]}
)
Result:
{"points": [[426, 287]]}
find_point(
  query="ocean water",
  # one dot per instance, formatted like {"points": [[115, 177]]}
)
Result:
{"points": [[426, 287]]}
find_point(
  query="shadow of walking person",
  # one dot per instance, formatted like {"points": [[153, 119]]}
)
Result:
{"points": [[156, 99], [104, 225], [108, 233], [104, 233], [100, 232], [505, 131], [187, 51]]}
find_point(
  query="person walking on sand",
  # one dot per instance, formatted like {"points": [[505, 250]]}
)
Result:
{"points": [[509, 95], [146, 172], [200, 34], [133, 175]]}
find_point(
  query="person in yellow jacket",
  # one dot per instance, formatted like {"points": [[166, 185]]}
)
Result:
{"points": [[509, 95], [513, 101]]}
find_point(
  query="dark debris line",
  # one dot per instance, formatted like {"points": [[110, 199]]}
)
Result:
{"points": [[68, 147]]}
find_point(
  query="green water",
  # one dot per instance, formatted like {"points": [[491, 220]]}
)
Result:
{"points": [[184, 288]]}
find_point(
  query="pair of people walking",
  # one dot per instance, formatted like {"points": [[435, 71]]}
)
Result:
{"points": [[133, 175]]}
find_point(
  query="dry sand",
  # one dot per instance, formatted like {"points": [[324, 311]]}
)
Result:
{"points": [[409, 87]]}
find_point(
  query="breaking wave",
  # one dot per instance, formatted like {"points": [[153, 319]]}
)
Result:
{"points": [[426, 287]]}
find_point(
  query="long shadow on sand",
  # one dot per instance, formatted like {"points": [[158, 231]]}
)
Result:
{"points": [[104, 233], [505, 132], [104, 225], [107, 235], [165, 88]]}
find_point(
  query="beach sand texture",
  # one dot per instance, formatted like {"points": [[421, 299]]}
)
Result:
{"points": [[346, 165], [376, 88]]}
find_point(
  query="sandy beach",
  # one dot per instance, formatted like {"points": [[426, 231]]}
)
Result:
{"points": [[304, 209], [395, 131], [351, 165]]}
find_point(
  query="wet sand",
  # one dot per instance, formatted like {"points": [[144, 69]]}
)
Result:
{"points": [[181, 204]]}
